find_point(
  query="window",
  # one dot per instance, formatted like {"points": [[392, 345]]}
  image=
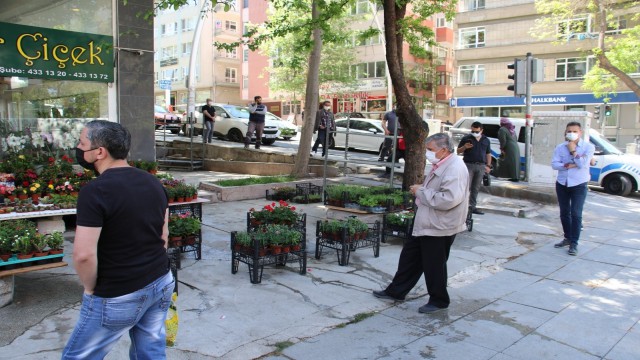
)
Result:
{"points": [[617, 25], [231, 54], [230, 25], [573, 68], [444, 78], [245, 4], [471, 37], [169, 29], [230, 75], [169, 52], [441, 21], [471, 75], [574, 28], [186, 48], [169, 74], [369, 70], [245, 81], [360, 7], [245, 27], [291, 107], [473, 5], [245, 55], [187, 24]]}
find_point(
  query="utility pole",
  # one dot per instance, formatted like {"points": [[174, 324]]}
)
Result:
{"points": [[191, 79], [528, 120]]}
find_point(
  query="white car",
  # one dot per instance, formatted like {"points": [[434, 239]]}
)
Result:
{"points": [[357, 128], [232, 123], [287, 129]]}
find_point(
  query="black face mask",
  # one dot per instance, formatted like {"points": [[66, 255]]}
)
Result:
{"points": [[82, 162]]}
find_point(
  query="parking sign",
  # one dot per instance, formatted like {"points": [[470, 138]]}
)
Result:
{"points": [[164, 84]]}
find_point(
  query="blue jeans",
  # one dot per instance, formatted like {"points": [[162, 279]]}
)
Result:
{"points": [[103, 321], [571, 201], [207, 136], [320, 140]]}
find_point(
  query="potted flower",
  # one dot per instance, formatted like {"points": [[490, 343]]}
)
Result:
{"points": [[357, 228], [35, 190], [7, 191], [243, 242], [6, 246], [39, 242], [331, 229], [55, 242], [23, 246], [282, 213]]}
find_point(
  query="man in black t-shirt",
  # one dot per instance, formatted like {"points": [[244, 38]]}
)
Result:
{"points": [[477, 156], [209, 116], [119, 251]]}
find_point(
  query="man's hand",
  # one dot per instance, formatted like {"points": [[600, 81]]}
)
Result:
{"points": [[467, 146], [387, 132], [572, 146], [487, 168], [414, 188], [570, 165]]}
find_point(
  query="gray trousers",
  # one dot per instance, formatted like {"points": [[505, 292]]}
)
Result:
{"points": [[258, 128], [207, 135], [476, 172]]}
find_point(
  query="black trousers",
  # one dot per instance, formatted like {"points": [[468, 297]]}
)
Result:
{"points": [[426, 255], [322, 134]]}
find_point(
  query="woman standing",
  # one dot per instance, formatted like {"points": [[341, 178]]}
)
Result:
{"points": [[509, 162]]}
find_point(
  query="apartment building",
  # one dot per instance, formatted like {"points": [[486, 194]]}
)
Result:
{"points": [[217, 71], [491, 33], [370, 96]]}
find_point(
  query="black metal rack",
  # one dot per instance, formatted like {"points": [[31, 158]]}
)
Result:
{"points": [[344, 244], [401, 231], [194, 208]]}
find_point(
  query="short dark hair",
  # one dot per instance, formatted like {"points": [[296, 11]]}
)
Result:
{"points": [[477, 124], [575, 123], [255, 98], [111, 136]]}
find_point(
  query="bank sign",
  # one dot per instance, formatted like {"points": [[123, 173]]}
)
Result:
{"points": [[33, 52]]}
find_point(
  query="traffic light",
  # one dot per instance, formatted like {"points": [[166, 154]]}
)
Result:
{"points": [[596, 113], [519, 77], [607, 110]]}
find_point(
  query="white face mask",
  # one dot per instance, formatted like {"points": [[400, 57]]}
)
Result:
{"points": [[476, 135], [327, 108], [209, 103], [572, 136], [431, 156]]}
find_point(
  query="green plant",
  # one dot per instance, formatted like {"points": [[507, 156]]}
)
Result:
{"points": [[287, 132], [282, 213], [399, 218], [284, 193], [39, 242], [6, 244], [256, 180], [331, 226], [55, 240], [356, 225], [315, 198], [183, 225], [368, 201], [243, 238], [23, 244]]}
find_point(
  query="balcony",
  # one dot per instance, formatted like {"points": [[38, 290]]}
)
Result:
{"points": [[169, 61]]}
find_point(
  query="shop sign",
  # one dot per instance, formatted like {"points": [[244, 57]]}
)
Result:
{"points": [[34, 52]]}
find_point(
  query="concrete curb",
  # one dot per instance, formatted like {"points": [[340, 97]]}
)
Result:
{"points": [[247, 192]]}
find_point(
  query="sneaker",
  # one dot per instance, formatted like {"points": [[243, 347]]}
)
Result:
{"points": [[246, 146], [429, 309], [573, 250], [381, 294], [563, 243]]}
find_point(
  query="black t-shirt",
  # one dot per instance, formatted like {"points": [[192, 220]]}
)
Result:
{"points": [[479, 151], [210, 109], [129, 205]]}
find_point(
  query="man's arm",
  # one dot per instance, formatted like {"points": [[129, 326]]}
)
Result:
{"points": [[165, 229], [210, 116], [384, 126], [253, 107], [85, 256], [464, 145], [556, 160]]}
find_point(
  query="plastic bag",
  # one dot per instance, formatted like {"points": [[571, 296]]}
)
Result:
{"points": [[171, 323]]}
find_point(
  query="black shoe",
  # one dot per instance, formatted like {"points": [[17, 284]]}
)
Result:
{"points": [[562, 243], [257, 147], [573, 250], [381, 159], [429, 309], [385, 176], [477, 212], [246, 146], [381, 294]]}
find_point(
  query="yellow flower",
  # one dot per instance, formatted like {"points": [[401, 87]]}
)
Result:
{"points": [[21, 157], [33, 188], [36, 185], [50, 186]]}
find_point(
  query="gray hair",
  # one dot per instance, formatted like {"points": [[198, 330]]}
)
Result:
{"points": [[441, 140], [111, 136]]}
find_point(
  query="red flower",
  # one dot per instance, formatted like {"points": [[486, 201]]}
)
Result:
{"points": [[25, 183], [293, 208], [51, 159]]}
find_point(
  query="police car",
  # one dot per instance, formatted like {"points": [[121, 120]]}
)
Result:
{"points": [[618, 173]]}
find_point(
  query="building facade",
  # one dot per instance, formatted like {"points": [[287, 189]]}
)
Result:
{"points": [[64, 63], [491, 33], [217, 71], [432, 85]]}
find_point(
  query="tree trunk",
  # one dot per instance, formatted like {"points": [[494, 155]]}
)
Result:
{"points": [[415, 130], [301, 166]]}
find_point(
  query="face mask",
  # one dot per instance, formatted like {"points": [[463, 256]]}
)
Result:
{"points": [[209, 103], [572, 136], [82, 162], [431, 156], [327, 108], [476, 134]]}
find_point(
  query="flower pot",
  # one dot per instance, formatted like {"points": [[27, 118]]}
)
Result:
{"points": [[276, 249], [172, 200], [262, 251], [22, 196], [56, 251], [335, 236], [35, 198], [11, 198], [296, 247], [41, 254], [286, 249], [5, 257], [175, 241], [180, 199], [237, 247], [188, 199], [255, 222], [190, 240]]}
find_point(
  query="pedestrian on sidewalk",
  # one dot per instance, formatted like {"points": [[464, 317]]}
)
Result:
{"points": [[257, 112], [572, 159], [324, 121], [399, 149], [209, 116], [508, 165], [442, 202], [388, 123], [476, 148], [120, 251]]}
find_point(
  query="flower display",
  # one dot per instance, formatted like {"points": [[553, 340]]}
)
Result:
{"points": [[280, 213]]}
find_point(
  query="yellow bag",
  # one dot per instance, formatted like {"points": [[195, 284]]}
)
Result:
{"points": [[171, 323]]}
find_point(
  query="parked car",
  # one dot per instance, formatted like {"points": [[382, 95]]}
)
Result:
{"points": [[618, 173], [287, 129], [165, 119], [358, 128], [232, 123], [353, 115]]}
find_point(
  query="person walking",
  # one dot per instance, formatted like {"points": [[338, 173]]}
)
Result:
{"points": [[324, 121], [257, 112], [477, 156], [442, 202], [119, 251], [509, 162], [400, 152], [572, 159], [389, 122], [209, 116]]}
